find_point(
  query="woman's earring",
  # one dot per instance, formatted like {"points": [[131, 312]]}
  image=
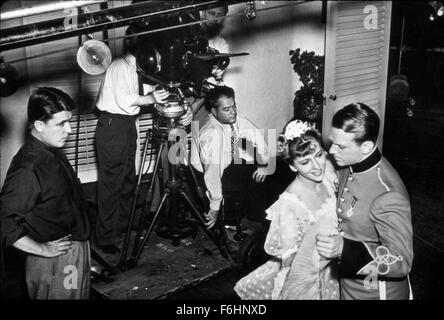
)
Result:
{"points": [[293, 168]]}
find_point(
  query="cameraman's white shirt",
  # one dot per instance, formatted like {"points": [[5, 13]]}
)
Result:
{"points": [[120, 87]]}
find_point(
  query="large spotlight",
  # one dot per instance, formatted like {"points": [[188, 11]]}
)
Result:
{"points": [[94, 57]]}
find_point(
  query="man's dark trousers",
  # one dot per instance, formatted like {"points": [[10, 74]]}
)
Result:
{"points": [[116, 144]]}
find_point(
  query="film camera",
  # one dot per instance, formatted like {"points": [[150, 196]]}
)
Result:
{"points": [[179, 61]]}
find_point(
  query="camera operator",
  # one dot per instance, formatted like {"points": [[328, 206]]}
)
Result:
{"points": [[119, 103], [210, 30]]}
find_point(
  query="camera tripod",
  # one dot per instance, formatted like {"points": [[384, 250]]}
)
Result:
{"points": [[173, 193]]}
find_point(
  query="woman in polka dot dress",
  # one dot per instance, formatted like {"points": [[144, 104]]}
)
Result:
{"points": [[307, 207]]}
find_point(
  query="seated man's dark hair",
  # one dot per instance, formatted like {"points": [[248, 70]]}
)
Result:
{"points": [[360, 119], [214, 94], [44, 102]]}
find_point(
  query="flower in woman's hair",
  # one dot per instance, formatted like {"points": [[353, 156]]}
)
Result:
{"points": [[295, 129]]}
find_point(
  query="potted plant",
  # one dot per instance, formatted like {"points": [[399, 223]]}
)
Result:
{"points": [[308, 99]]}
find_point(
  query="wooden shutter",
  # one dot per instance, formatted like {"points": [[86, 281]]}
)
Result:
{"points": [[82, 153], [356, 57]]}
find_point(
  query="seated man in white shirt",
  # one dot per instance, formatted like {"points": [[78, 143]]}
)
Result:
{"points": [[217, 154]]}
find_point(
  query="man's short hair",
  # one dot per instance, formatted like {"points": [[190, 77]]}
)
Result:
{"points": [[360, 119], [225, 8], [213, 96], [44, 102]]}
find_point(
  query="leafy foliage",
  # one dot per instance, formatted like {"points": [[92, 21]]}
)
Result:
{"points": [[310, 68]]}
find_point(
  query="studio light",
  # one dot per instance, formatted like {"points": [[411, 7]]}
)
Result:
{"points": [[438, 9], [94, 57], [9, 79]]}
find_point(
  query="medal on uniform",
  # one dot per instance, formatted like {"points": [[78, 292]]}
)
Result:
{"points": [[350, 211]]}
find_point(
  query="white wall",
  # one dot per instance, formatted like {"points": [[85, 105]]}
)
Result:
{"points": [[264, 81]]}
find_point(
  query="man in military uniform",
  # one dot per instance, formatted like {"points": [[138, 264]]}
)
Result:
{"points": [[374, 247]]}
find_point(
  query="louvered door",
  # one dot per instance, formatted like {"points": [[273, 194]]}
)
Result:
{"points": [[357, 45]]}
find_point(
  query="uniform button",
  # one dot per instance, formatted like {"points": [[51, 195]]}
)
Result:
{"points": [[346, 189], [340, 219], [350, 178], [342, 199], [339, 210]]}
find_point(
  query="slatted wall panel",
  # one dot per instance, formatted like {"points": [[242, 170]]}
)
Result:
{"points": [[356, 56], [86, 153]]}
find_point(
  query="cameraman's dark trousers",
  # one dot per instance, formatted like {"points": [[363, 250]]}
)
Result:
{"points": [[116, 144]]}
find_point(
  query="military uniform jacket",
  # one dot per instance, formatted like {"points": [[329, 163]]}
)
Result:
{"points": [[374, 216]]}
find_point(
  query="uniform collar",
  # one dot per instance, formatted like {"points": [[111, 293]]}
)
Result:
{"points": [[367, 163]]}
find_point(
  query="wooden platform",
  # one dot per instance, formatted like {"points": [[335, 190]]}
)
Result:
{"points": [[164, 269]]}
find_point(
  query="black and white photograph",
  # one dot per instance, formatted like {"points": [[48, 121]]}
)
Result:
{"points": [[221, 155]]}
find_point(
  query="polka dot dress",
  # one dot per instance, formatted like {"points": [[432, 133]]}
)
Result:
{"points": [[295, 271]]}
